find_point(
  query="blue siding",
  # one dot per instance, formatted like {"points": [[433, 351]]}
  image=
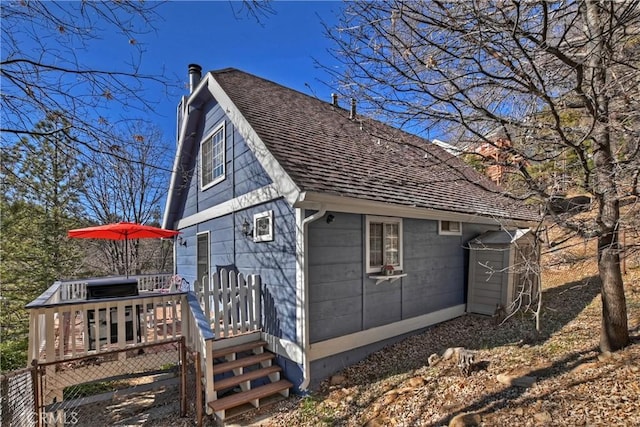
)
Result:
{"points": [[335, 260], [344, 300], [243, 172], [275, 261], [342, 297]]}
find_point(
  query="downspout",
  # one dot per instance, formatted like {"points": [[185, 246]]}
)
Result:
{"points": [[304, 338]]}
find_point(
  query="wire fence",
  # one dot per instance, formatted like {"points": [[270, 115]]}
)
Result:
{"points": [[18, 405], [120, 387]]}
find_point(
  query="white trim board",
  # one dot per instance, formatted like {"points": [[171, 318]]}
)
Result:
{"points": [[282, 347], [333, 346], [264, 194]]}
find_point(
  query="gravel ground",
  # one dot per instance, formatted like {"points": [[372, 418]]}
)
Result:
{"points": [[573, 384]]}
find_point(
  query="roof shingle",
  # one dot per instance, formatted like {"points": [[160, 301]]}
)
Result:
{"points": [[324, 151]]}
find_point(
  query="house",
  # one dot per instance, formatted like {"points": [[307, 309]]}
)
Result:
{"points": [[317, 199]]}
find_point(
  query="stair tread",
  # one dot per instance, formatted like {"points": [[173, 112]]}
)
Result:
{"points": [[249, 376], [219, 368], [238, 348], [249, 395]]}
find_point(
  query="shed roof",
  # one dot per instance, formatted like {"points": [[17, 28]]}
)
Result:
{"points": [[499, 238]]}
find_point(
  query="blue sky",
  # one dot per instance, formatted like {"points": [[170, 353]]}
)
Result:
{"points": [[280, 48]]}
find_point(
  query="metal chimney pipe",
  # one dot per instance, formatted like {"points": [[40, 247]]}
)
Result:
{"points": [[334, 99], [195, 74], [352, 114]]}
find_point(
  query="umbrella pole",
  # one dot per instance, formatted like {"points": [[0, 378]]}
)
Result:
{"points": [[126, 255]]}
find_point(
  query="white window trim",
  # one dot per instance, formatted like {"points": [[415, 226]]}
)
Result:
{"points": [[448, 232], [224, 156], [383, 219], [266, 237]]}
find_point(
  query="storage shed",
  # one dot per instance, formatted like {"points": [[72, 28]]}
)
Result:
{"points": [[503, 268]]}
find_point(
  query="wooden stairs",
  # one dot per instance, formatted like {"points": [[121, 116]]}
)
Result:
{"points": [[248, 379]]}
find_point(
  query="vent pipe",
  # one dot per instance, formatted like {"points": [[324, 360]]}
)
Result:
{"points": [[195, 74], [352, 114], [334, 99]]}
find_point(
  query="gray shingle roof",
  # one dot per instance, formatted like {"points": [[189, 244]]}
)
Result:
{"points": [[324, 151]]}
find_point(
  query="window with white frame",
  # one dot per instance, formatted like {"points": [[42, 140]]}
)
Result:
{"points": [[263, 227], [212, 166], [453, 228], [384, 243]]}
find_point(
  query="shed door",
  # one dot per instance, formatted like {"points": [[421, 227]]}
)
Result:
{"points": [[202, 257], [488, 280]]}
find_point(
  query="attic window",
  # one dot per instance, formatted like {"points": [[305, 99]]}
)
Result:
{"points": [[212, 162], [453, 228]]}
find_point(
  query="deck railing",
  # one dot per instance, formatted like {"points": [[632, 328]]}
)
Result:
{"points": [[65, 330], [232, 303], [199, 337], [64, 325], [77, 289]]}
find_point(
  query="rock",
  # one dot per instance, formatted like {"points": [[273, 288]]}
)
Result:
{"points": [[465, 420], [389, 398], [337, 379], [518, 381], [378, 422], [543, 418], [604, 356], [416, 382], [451, 352], [331, 403], [433, 359], [519, 412]]}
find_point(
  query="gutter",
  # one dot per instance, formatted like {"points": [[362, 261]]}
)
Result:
{"points": [[304, 292]]}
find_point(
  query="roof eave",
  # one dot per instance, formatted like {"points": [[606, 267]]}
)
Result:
{"points": [[192, 114], [312, 200]]}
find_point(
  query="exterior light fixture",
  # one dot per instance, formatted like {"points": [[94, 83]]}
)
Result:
{"points": [[246, 229]]}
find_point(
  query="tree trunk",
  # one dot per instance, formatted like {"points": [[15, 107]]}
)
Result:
{"points": [[615, 332]]}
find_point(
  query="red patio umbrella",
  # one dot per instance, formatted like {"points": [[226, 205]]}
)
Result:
{"points": [[122, 231]]}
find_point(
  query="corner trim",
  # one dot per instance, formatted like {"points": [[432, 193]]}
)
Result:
{"points": [[284, 348]]}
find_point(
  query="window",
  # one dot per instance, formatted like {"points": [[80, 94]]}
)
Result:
{"points": [[263, 227], [384, 243], [212, 158], [450, 227]]}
